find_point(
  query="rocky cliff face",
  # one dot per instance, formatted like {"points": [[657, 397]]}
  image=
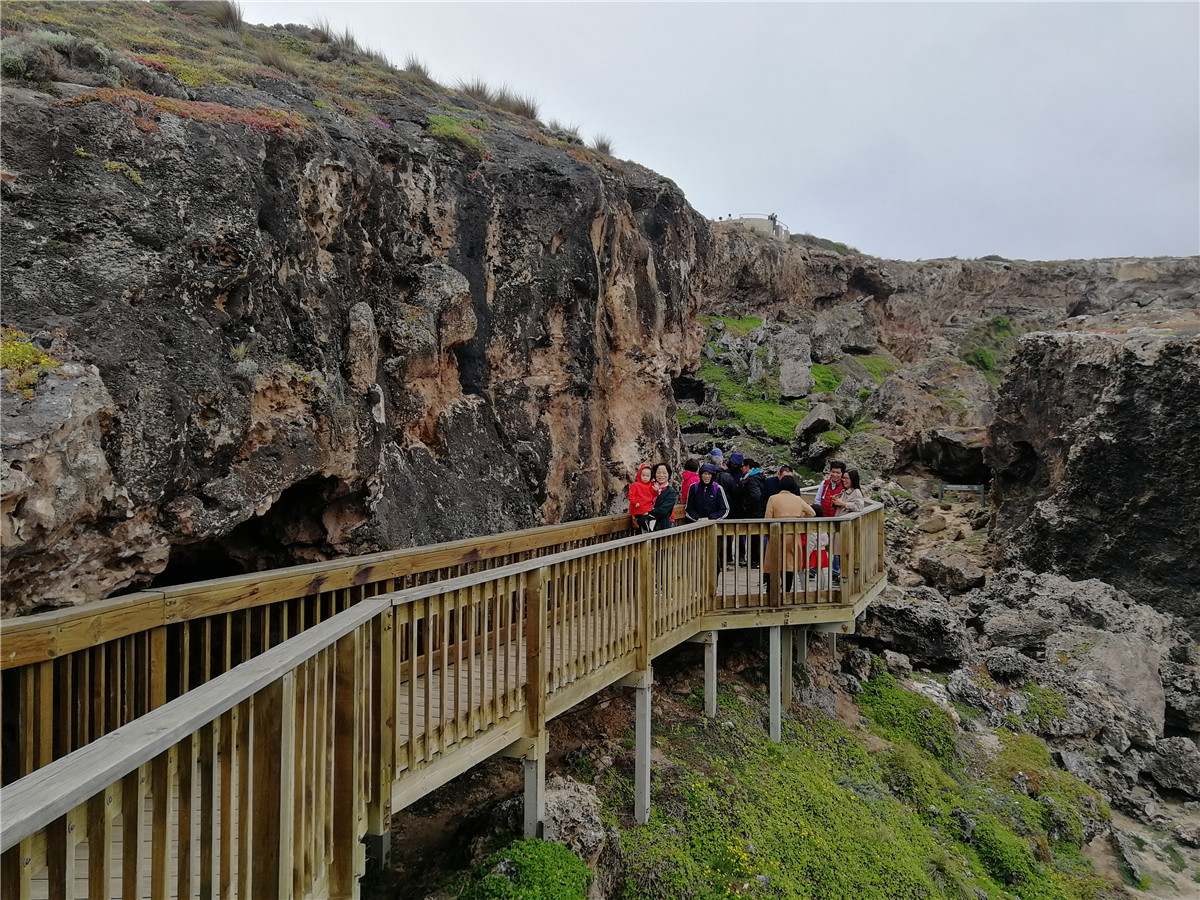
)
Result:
{"points": [[927, 308], [1096, 471], [291, 338]]}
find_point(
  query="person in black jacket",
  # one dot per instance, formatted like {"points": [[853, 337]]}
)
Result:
{"points": [[754, 506], [728, 478]]}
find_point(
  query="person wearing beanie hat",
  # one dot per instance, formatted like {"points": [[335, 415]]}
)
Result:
{"points": [[736, 459], [717, 457]]}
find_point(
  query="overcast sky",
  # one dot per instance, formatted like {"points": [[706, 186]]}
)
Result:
{"points": [[907, 130]]}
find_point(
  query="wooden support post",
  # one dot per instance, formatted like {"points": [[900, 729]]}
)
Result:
{"points": [[383, 738], [802, 652], [709, 640], [833, 645], [785, 659], [535, 791], [710, 676], [773, 674], [641, 796]]}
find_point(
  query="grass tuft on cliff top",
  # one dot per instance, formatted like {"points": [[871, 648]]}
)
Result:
{"points": [[171, 49]]}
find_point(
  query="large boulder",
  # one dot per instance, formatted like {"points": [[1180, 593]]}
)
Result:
{"points": [[950, 571], [1175, 765], [1096, 474], [918, 622]]}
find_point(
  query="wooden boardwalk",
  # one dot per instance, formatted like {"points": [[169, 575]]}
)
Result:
{"points": [[312, 705]]}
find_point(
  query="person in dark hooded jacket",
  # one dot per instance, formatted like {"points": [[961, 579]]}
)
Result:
{"points": [[706, 499]]}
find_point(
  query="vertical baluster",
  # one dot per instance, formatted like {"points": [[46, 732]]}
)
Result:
{"points": [[163, 786], [133, 818], [469, 626], [99, 836], [207, 798], [227, 770], [63, 836], [186, 764], [243, 808], [443, 669]]}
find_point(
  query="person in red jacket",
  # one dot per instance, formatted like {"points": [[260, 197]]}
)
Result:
{"points": [[641, 498], [691, 474]]}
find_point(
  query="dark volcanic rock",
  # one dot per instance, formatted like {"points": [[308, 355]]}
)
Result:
{"points": [[1096, 470]]}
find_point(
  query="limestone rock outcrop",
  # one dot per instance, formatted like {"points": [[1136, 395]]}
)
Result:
{"points": [[296, 343], [1096, 471]]}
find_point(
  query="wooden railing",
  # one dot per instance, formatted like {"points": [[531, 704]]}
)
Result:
{"points": [[263, 780], [72, 675]]}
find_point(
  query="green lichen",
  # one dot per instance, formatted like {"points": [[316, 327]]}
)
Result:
{"points": [[24, 362], [1046, 705], [120, 168]]}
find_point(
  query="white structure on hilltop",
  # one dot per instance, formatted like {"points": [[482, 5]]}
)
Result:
{"points": [[768, 224]]}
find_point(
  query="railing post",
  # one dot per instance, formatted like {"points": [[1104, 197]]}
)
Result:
{"points": [[714, 566], [775, 539], [347, 766], [273, 767], [645, 598], [383, 736], [536, 677]]}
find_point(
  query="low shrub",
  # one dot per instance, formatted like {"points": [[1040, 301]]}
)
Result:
{"points": [[981, 358], [529, 870]]}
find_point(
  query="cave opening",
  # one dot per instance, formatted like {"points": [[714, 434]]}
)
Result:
{"points": [[289, 533]]}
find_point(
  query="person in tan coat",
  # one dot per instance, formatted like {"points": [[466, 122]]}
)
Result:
{"points": [[787, 504]]}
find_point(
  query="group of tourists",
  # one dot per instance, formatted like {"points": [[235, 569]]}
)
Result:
{"points": [[738, 489]]}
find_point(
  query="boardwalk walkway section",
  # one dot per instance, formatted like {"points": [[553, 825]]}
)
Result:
{"points": [[272, 776]]}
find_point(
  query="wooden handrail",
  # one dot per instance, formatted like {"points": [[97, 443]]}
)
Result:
{"points": [[26, 639]]}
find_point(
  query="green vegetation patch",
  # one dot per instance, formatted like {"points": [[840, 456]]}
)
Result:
{"points": [[981, 358], [833, 439], [24, 362], [880, 367], [529, 870], [737, 326], [897, 713], [1046, 705], [819, 817], [826, 378], [460, 131]]}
